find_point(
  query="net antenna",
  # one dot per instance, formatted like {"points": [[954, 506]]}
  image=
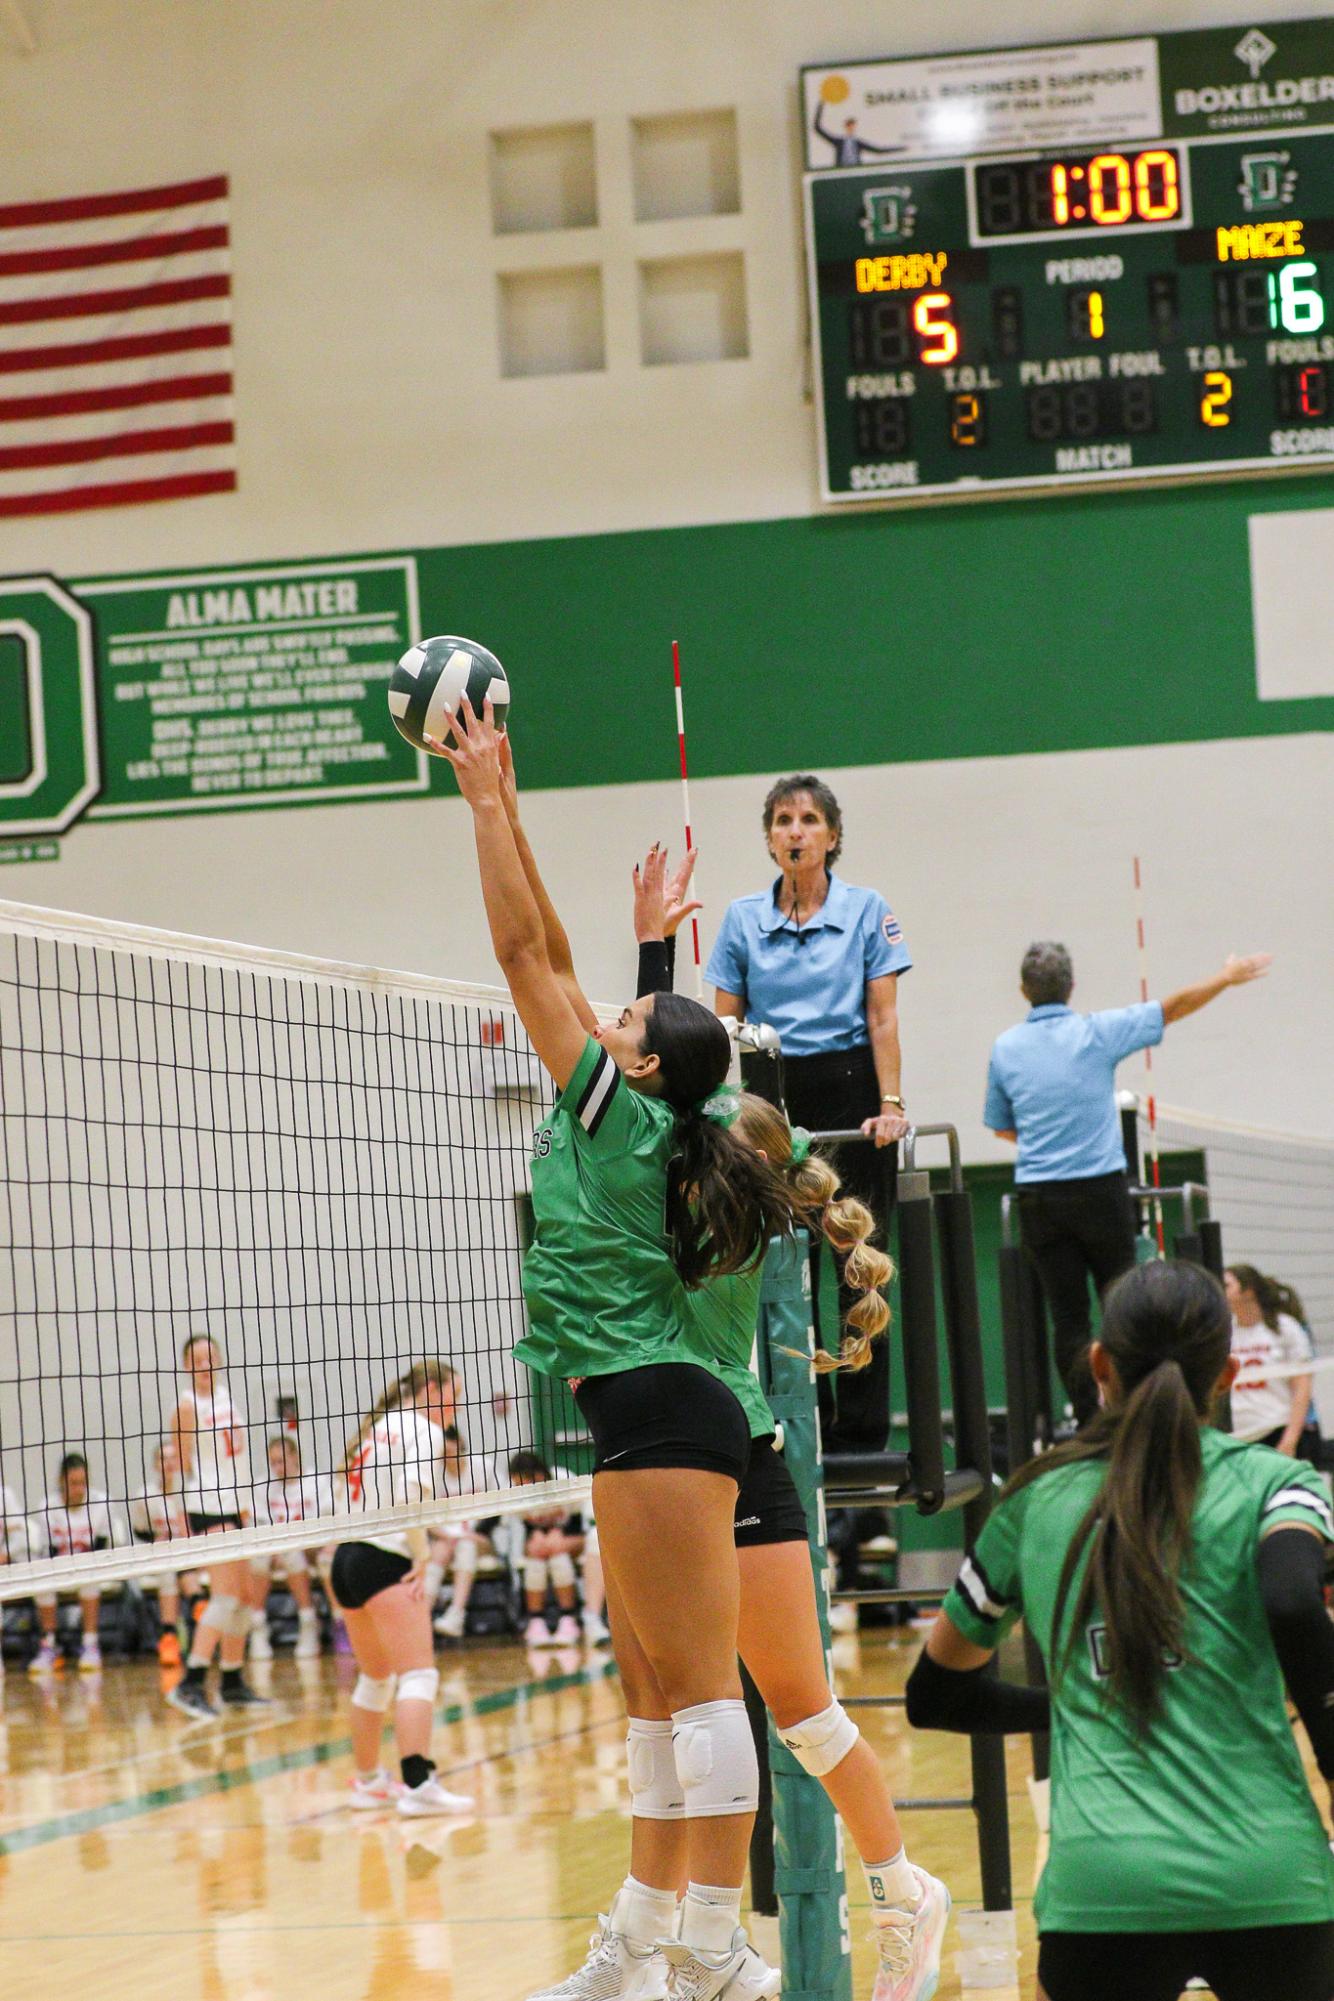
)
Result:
{"points": [[1151, 1103], [319, 1168], [685, 802]]}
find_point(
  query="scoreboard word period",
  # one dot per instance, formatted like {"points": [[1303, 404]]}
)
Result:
{"points": [[1082, 265]]}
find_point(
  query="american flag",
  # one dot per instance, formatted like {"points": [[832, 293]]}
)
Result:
{"points": [[115, 349]]}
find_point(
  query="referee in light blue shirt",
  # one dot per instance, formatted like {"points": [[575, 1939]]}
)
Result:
{"points": [[1051, 1087], [820, 961]]}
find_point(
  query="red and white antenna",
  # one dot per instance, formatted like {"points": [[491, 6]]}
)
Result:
{"points": [[685, 801], [1155, 1165]]}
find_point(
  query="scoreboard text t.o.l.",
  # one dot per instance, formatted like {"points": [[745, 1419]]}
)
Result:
{"points": [[1154, 307]]}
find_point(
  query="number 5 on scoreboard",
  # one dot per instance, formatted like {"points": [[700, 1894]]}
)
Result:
{"points": [[933, 325], [1216, 402]]}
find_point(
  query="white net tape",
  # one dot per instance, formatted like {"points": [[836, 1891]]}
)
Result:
{"points": [[319, 1165]]}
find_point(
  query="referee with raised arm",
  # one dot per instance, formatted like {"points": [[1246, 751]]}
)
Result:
{"points": [[819, 961], [1051, 1088]]}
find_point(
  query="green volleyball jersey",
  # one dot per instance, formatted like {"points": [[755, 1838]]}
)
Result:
{"points": [[1207, 1823], [723, 1315], [603, 1293]]}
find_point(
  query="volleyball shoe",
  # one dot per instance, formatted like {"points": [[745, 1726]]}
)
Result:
{"points": [[616, 1969], [910, 1943], [737, 1975]]}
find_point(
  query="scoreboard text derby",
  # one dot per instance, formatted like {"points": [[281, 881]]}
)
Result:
{"points": [[1098, 262]]}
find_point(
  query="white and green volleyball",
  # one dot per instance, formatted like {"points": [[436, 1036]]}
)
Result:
{"points": [[432, 678]]}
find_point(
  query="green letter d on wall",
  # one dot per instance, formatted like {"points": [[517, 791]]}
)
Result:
{"points": [[48, 707]]}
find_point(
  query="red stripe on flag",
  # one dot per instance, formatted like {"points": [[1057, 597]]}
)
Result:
{"points": [[83, 451], [122, 494], [126, 250], [83, 402], [137, 201], [132, 298], [179, 341]]}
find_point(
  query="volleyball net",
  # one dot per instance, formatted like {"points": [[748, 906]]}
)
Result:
{"points": [[319, 1167], [1273, 1194]]}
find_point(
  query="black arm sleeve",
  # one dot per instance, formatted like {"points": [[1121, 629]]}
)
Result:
{"points": [[657, 967], [973, 1701], [1291, 1567]]}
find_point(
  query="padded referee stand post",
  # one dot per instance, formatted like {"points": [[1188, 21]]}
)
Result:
{"points": [[808, 1837]]}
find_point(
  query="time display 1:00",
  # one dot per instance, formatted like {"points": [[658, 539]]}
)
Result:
{"points": [[1110, 190]]}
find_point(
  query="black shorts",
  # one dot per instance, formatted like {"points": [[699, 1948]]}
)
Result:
{"points": [[665, 1414], [1270, 1963], [361, 1570], [768, 1507], [206, 1524]]}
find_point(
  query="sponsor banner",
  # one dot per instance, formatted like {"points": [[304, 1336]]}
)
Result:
{"points": [[1003, 99], [1278, 77]]}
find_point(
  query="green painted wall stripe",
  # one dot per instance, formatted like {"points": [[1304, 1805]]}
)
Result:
{"points": [[1089, 622], [87, 1819]]}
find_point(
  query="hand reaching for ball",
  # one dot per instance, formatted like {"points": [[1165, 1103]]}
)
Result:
{"points": [[476, 755], [661, 907]]}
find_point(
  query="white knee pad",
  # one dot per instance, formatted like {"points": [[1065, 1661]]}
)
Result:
{"points": [[418, 1685], [373, 1695], [226, 1615], [715, 1759], [823, 1741], [592, 1547], [655, 1789], [465, 1555], [561, 1567], [294, 1563], [534, 1573], [261, 1566], [45, 1599]]}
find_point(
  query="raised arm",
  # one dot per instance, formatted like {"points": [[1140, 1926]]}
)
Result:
{"points": [[517, 935], [557, 940], [1235, 973], [661, 907]]}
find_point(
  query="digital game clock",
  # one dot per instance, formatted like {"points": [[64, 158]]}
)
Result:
{"points": [[1155, 308]]}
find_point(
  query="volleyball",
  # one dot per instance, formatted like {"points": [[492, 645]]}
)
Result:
{"points": [[430, 681], [835, 90]]}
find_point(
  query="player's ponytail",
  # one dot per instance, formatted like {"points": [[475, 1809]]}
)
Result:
{"points": [[1167, 1328], [724, 1202], [846, 1223], [402, 1391]]}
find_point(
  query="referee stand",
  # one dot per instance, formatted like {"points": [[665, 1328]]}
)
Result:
{"points": [[936, 1257]]}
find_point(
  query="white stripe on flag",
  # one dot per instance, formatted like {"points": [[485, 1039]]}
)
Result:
{"points": [[137, 322], [110, 423], [117, 471], [67, 380], [22, 239], [34, 285]]}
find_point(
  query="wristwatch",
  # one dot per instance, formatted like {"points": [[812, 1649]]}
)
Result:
{"points": [[892, 1098]]}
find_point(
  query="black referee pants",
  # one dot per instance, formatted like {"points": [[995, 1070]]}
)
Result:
{"points": [[1075, 1231], [834, 1093]]}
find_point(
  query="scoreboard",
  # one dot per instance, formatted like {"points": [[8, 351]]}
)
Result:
{"points": [[1158, 308]]}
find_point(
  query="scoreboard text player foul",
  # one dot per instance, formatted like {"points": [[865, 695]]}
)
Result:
{"points": [[1146, 294]]}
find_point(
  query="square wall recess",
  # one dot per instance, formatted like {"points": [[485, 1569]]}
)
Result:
{"points": [[693, 308], [685, 164], [551, 321], [543, 177]]}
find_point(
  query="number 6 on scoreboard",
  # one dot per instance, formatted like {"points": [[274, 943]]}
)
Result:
{"points": [[1214, 403]]}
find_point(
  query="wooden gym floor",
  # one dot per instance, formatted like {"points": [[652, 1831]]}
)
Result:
{"points": [[143, 1858]]}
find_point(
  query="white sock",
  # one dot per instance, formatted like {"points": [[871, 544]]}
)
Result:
{"points": [[893, 1885], [432, 1579], [644, 1915], [710, 1916]]}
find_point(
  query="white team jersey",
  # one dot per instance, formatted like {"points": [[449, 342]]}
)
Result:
{"points": [[75, 1531], [16, 1537], [1260, 1406], [295, 1500], [157, 1517], [219, 1479], [399, 1461]]}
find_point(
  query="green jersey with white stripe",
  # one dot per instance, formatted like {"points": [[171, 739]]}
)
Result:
{"points": [[1207, 1823], [602, 1291]]}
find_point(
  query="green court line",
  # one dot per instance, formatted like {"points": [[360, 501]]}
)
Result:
{"points": [[88, 1819]]}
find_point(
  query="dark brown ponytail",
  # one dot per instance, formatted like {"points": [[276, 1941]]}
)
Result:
{"points": [[1168, 1330], [724, 1202]]}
